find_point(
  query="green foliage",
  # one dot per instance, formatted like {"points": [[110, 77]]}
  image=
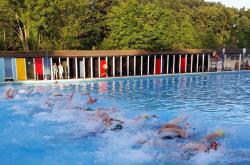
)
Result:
{"points": [[135, 26], [125, 24]]}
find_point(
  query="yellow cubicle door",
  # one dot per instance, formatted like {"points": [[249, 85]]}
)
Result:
{"points": [[21, 69]]}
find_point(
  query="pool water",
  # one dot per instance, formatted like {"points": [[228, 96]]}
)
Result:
{"points": [[40, 128]]}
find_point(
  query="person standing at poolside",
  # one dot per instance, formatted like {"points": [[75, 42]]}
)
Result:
{"points": [[60, 68], [105, 67], [55, 71]]}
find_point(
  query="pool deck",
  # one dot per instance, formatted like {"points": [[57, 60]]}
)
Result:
{"points": [[117, 78]]}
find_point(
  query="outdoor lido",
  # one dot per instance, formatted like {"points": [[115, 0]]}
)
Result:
{"points": [[125, 107]]}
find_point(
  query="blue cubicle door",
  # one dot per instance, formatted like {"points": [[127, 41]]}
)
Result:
{"points": [[14, 68], [47, 68], [8, 69], [2, 70]]}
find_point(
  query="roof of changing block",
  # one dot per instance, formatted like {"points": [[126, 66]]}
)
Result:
{"points": [[235, 51], [106, 53]]}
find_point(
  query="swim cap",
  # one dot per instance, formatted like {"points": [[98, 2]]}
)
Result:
{"points": [[117, 127], [89, 109], [57, 94], [219, 133], [154, 116], [214, 145], [146, 116]]}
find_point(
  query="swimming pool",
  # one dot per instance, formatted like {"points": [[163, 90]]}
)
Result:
{"points": [[34, 131]]}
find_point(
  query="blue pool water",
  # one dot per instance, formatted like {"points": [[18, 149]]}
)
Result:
{"points": [[34, 132]]}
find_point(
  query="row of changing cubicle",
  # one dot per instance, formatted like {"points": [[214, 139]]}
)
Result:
{"points": [[93, 64], [23, 68], [97, 67]]}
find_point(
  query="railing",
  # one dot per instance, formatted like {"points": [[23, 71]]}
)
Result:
{"points": [[103, 64]]}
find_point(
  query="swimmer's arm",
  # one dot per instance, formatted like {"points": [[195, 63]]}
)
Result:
{"points": [[119, 121], [29, 92], [71, 96], [178, 131], [194, 147], [87, 94], [211, 137], [90, 99], [177, 120], [138, 118]]}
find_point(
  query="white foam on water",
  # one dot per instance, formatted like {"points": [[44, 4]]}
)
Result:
{"points": [[119, 147], [47, 137], [21, 113], [16, 108], [207, 158], [56, 116], [19, 110]]}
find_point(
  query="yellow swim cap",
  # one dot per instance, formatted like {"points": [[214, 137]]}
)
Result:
{"points": [[220, 133], [146, 116]]}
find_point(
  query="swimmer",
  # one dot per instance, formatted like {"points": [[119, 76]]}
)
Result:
{"points": [[145, 117], [206, 144], [172, 129], [36, 90], [10, 93], [90, 99], [106, 119]]}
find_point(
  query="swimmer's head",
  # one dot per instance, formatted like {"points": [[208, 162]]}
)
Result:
{"points": [[214, 145], [95, 100], [154, 116], [146, 116], [117, 127], [89, 109], [220, 133]]}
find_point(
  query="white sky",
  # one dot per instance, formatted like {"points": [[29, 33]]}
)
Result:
{"points": [[233, 3]]}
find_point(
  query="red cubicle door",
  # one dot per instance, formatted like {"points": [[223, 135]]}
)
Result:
{"points": [[158, 66], [183, 64], [39, 68]]}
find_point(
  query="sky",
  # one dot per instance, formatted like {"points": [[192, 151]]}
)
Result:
{"points": [[234, 3]]}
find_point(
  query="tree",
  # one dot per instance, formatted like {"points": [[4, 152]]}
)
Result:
{"points": [[125, 24], [243, 29], [135, 25], [214, 24]]}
